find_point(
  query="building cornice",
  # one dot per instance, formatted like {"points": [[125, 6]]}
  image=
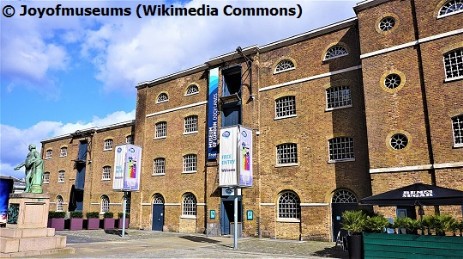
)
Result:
{"points": [[367, 4]]}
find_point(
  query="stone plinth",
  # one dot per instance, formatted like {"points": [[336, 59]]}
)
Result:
{"points": [[26, 232]]}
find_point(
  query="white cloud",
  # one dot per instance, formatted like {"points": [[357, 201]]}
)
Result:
{"points": [[14, 142]]}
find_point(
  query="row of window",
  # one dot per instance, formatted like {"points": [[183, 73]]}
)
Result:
{"points": [[190, 125], [62, 153], [109, 143], [191, 90]]}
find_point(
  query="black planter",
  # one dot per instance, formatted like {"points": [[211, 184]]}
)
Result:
{"points": [[355, 246]]}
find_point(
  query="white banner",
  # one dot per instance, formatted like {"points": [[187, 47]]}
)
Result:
{"points": [[127, 168], [228, 157], [245, 153]]}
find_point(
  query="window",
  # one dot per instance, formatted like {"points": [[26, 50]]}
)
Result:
{"points": [[336, 52], [453, 63], [163, 97], [285, 107], [48, 154], [108, 144], [63, 152], [284, 65], [46, 177], [192, 89], [158, 199], [392, 81], [399, 141], [104, 203], [59, 203], [189, 163], [159, 166], [106, 173], [129, 139], [61, 176], [451, 7], [161, 130], [343, 196], [386, 23], [289, 206], [337, 97], [457, 123], [191, 124], [189, 205], [287, 154], [341, 149]]}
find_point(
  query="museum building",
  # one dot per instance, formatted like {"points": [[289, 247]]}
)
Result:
{"points": [[339, 113]]}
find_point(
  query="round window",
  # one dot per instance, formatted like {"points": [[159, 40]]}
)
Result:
{"points": [[387, 23], [399, 141], [392, 81]]}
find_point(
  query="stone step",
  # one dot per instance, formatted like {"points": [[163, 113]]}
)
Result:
{"points": [[13, 245], [26, 232]]}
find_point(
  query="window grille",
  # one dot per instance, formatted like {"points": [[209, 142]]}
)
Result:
{"points": [[189, 205], [163, 97], [63, 152], [191, 124], [192, 89], [48, 154], [386, 24], [161, 130], [392, 81], [46, 177], [287, 153], [399, 141], [451, 7], [341, 149], [189, 163], [104, 204], [108, 144], [457, 123], [289, 206], [59, 203], [337, 97], [106, 173], [285, 106], [343, 196], [336, 52], [284, 65], [158, 199], [453, 63], [159, 165], [61, 176]]}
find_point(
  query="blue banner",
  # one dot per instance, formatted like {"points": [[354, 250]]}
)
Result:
{"points": [[212, 114]]}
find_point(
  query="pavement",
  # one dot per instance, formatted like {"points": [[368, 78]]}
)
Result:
{"points": [[152, 244]]}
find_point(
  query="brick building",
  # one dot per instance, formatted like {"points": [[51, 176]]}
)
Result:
{"points": [[352, 109]]}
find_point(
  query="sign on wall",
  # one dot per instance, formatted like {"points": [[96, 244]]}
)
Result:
{"points": [[212, 114], [235, 161], [127, 168]]}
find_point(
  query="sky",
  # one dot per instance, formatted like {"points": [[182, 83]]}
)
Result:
{"points": [[63, 73]]}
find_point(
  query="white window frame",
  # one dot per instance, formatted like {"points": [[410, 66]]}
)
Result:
{"points": [[190, 163], [63, 152], [284, 66], [192, 90], [159, 166], [59, 203], [286, 154], [108, 144], [106, 175], [439, 15], [343, 151], [338, 97], [104, 204], [46, 177], [290, 209], [457, 120], [285, 107], [335, 51], [189, 205], [450, 65], [160, 130], [48, 154], [162, 98], [190, 124], [61, 176]]}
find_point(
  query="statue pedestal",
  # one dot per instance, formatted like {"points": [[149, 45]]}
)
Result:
{"points": [[26, 232]]}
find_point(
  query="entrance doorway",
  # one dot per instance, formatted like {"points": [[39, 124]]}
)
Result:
{"points": [[226, 214], [342, 200], [158, 213]]}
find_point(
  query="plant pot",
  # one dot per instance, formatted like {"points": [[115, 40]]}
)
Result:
{"points": [[355, 246], [56, 223], [93, 223], [108, 223], [119, 223], [76, 224]]}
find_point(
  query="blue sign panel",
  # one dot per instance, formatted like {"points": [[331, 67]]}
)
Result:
{"points": [[212, 114]]}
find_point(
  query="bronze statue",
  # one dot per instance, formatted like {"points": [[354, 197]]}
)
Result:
{"points": [[34, 171]]}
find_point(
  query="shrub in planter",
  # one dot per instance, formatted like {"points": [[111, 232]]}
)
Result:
{"points": [[127, 220], [354, 221], [93, 220], [108, 220], [427, 223], [376, 224], [76, 220], [56, 219]]}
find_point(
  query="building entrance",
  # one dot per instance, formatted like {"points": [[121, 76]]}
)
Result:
{"points": [[226, 215]]}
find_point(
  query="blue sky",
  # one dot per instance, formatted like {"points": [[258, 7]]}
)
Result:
{"points": [[60, 74]]}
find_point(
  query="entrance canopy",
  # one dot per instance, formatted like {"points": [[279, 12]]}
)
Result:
{"points": [[415, 195]]}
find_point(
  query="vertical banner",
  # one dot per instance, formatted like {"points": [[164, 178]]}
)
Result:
{"points": [[212, 114], [127, 168], [245, 157], [228, 164]]}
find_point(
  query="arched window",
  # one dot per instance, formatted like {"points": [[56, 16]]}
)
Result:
{"points": [[192, 89], [59, 203], [343, 196], [163, 97], [453, 64], [158, 199], [189, 205], [451, 7], [289, 206], [284, 65], [336, 52], [104, 203]]}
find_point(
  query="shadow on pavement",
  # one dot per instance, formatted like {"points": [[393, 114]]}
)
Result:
{"points": [[333, 252], [200, 239], [116, 232]]}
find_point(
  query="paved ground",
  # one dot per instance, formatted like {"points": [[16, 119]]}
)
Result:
{"points": [[149, 244]]}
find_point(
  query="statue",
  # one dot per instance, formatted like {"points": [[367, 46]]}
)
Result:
{"points": [[34, 171]]}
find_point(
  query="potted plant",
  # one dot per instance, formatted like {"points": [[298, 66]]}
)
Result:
{"points": [[354, 221], [76, 220], [402, 224], [127, 220], [427, 223], [108, 220], [56, 219], [93, 220], [376, 224]]}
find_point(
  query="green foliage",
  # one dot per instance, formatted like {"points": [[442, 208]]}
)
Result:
{"points": [[92, 214], [108, 215], [376, 224], [354, 221], [76, 214], [120, 215], [56, 214]]}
